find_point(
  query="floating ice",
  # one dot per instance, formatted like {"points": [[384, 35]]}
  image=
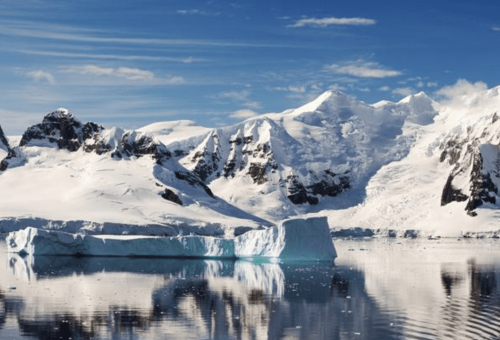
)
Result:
{"points": [[42, 242], [295, 239]]}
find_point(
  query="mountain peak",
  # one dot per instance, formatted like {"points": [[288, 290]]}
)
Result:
{"points": [[418, 96], [329, 98], [60, 113]]}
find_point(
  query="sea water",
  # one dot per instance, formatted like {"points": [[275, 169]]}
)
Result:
{"points": [[375, 289]]}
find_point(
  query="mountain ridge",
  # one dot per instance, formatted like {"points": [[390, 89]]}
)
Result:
{"points": [[359, 164]]}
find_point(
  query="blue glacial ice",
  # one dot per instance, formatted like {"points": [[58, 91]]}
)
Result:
{"points": [[293, 239]]}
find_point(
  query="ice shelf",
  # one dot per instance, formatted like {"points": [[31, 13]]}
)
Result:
{"points": [[293, 239]]}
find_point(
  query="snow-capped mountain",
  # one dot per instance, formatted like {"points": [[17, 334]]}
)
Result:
{"points": [[294, 162], [410, 165], [447, 185], [64, 170]]}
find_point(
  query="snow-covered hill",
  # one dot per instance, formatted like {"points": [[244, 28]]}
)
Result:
{"points": [[410, 165], [447, 185], [318, 156], [69, 175]]}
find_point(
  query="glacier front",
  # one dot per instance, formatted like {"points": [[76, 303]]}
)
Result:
{"points": [[294, 239]]}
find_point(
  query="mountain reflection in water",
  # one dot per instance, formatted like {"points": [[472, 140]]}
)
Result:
{"points": [[375, 290]]}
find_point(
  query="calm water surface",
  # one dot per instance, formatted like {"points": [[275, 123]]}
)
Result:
{"points": [[376, 289]]}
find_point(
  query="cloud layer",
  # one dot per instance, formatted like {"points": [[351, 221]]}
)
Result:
{"points": [[324, 22], [42, 76], [363, 70]]}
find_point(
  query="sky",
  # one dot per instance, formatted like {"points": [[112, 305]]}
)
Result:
{"points": [[131, 63]]}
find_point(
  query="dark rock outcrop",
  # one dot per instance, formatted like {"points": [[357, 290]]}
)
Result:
{"points": [[259, 171], [169, 195], [452, 194], [4, 143], [207, 159], [482, 188], [142, 145], [12, 158], [330, 185], [194, 181], [297, 193], [466, 155], [61, 128]]}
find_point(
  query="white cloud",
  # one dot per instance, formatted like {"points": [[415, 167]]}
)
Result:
{"points": [[120, 72], [462, 93], [420, 84], [241, 97], [384, 88], [324, 22], [189, 11], [197, 12], [253, 105], [186, 60], [174, 80], [462, 88], [42, 76], [403, 91], [132, 74], [291, 88], [234, 95], [495, 28], [68, 33], [363, 70], [336, 87], [243, 114], [432, 84]]}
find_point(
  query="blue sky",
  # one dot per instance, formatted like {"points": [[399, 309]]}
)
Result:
{"points": [[130, 63]]}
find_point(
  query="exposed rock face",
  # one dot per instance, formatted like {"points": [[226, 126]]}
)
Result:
{"points": [[482, 188], [125, 144], [297, 193], [4, 143], [475, 156], [265, 153], [169, 195], [194, 181], [452, 194], [329, 185], [207, 157], [61, 128]]}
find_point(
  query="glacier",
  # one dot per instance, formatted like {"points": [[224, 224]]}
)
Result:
{"points": [[293, 240]]}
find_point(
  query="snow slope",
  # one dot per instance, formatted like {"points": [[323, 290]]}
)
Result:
{"points": [[319, 156], [448, 183], [114, 181]]}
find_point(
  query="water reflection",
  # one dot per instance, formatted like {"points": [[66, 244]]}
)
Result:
{"points": [[103, 298], [375, 290], [2, 309], [434, 290]]}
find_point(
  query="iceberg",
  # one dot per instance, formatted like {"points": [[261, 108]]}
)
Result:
{"points": [[44, 242], [293, 239]]}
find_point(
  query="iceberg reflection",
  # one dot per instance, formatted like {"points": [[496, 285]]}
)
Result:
{"points": [[139, 298]]}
